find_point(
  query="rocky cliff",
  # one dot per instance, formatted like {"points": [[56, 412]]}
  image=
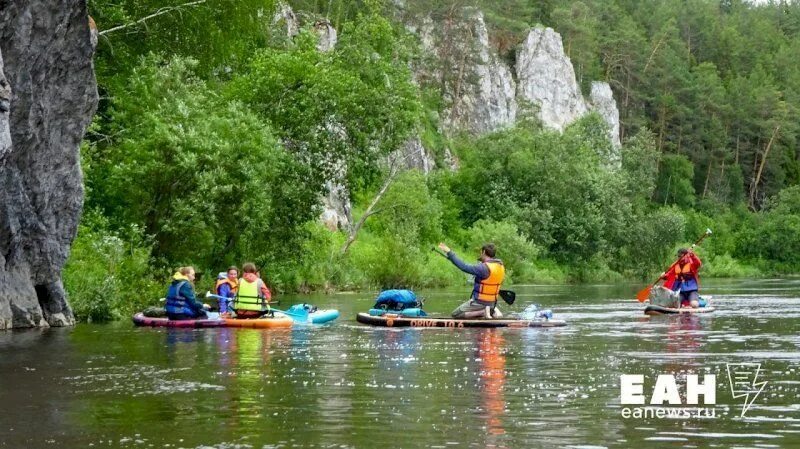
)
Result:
{"points": [[483, 93], [478, 88], [48, 95]]}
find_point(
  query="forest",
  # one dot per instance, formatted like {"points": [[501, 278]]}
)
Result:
{"points": [[217, 136]]}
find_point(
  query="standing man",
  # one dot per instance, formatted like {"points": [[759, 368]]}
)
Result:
{"points": [[489, 275]]}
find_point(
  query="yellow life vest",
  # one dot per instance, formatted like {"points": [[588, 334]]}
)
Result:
{"points": [[488, 289], [249, 297]]}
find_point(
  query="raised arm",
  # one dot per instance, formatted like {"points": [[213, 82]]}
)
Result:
{"points": [[480, 271]]}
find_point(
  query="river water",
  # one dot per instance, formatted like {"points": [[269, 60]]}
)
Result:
{"points": [[348, 385]]}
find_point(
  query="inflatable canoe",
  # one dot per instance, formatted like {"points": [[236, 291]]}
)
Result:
{"points": [[392, 320], [262, 323], [316, 317], [659, 310]]}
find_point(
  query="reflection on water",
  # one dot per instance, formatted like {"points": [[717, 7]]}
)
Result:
{"points": [[347, 385], [491, 347]]}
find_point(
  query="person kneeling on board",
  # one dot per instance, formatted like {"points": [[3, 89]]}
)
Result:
{"points": [[253, 295], [181, 302], [489, 275]]}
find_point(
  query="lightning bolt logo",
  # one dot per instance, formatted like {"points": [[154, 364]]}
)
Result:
{"points": [[743, 378]]}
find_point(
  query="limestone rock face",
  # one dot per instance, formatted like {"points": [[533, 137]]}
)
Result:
{"points": [[488, 103], [546, 79], [416, 156], [327, 35], [5, 105], [47, 62], [603, 102], [336, 207], [478, 87], [481, 92], [285, 18]]}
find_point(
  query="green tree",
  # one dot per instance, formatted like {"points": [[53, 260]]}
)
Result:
{"points": [[202, 175], [219, 34], [340, 110], [674, 182]]}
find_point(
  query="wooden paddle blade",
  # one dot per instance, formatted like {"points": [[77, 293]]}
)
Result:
{"points": [[644, 293], [508, 296]]}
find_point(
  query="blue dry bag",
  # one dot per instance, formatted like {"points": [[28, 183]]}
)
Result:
{"points": [[397, 300]]}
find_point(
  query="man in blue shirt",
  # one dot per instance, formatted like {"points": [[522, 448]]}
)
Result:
{"points": [[489, 275]]}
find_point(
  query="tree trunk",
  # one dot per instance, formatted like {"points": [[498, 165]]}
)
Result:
{"points": [[393, 170], [757, 179], [708, 175]]}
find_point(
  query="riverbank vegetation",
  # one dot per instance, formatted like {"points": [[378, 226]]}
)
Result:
{"points": [[217, 136]]}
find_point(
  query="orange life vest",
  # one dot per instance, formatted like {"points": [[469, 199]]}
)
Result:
{"points": [[487, 290], [234, 285]]}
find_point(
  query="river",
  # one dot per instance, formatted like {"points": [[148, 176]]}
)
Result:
{"points": [[348, 385]]}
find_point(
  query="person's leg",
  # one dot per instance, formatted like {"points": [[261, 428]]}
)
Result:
{"points": [[685, 302], [496, 313], [247, 314], [469, 309], [694, 299]]}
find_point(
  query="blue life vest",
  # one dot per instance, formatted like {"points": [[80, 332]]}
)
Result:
{"points": [[396, 300], [176, 302]]}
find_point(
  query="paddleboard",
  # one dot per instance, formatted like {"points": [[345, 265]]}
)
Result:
{"points": [[658, 310], [262, 323], [393, 320]]}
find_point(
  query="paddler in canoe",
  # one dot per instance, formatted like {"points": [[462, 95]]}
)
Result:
{"points": [[253, 296], [181, 302], [489, 275], [226, 287]]}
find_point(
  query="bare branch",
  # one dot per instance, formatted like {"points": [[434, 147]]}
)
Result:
{"points": [[652, 55], [158, 12], [393, 171]]}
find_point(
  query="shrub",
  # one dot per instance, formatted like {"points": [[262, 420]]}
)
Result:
{"points": [[108, 274], [514, 249]]}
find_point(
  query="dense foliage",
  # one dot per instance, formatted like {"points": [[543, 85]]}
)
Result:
{"points": [[218, 134]]}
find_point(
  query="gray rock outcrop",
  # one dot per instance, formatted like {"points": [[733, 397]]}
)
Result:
{"points": [[47, 61], [478, 88], [5, 106], [286, 20], [327, 35], [602, 101], [481, 92], [336, 207], [415, 156], [546, 79]]}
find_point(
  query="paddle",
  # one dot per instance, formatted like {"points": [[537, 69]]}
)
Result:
{"points": [[303, 317], [645, 292], [506, 295]]}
